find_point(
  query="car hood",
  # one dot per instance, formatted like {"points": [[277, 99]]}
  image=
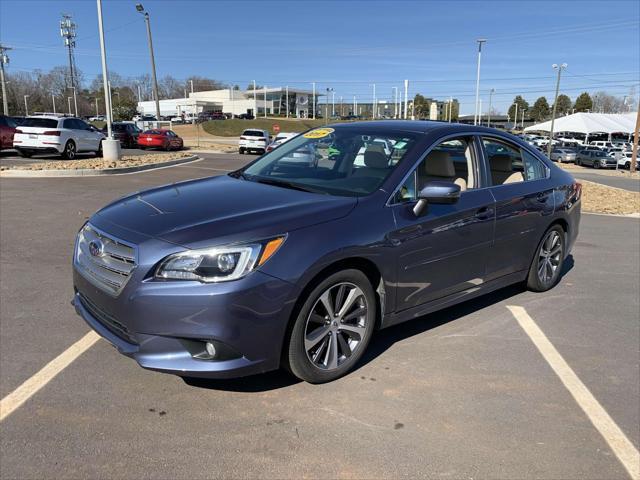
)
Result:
{"points": [[218, 210]]}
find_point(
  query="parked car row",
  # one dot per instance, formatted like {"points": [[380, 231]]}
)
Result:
{"points": [[68, 136]]}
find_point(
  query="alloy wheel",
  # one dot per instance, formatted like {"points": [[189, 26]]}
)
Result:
{"points": [[549, 257], [336, 326], [70, 151]]}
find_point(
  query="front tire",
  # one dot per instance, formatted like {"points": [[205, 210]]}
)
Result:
{"points": [[69, 152], [546, 266], [332, 328]]}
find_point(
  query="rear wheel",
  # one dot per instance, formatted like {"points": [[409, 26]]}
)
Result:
{"points": [[241, 151], [99, 151], [332, 328], [627, 165], [69, 152], [596, 164], [546, 266]]}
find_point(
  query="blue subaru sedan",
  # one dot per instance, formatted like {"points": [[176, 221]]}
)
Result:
{"points": [[296, 259]]}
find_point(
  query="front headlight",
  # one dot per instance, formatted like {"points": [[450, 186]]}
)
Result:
{"points": [[217, 264]]}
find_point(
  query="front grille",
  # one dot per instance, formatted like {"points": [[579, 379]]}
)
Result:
{"points": [[113, 325], [104, 260]]}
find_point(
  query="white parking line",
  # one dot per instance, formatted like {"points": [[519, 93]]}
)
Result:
{"points": [[30, 387], [613, 435]]}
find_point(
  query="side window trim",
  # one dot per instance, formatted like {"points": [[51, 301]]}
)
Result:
{"points": [[474, 136]]}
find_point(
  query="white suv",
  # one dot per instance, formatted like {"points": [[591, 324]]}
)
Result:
{"points": [[254, 140], [63, 135]]}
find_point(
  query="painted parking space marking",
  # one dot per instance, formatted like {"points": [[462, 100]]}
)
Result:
{"points": [[24, 392], [613, 435]]}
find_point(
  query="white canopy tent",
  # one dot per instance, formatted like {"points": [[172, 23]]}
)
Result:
{"points": [[589, 123]]}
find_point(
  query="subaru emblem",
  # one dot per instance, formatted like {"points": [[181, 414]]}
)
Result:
{"points": [[96, 248]]}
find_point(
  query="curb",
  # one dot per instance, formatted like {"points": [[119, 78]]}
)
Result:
{"points": [[90, 172], [619, 215]]}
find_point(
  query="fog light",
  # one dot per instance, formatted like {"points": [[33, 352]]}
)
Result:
{"points": [[211, 349]]}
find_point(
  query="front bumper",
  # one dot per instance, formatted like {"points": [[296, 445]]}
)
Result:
{"points": [[157, 323]]}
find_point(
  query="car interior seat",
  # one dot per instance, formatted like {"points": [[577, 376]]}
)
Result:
{"points": [[502, 170]]}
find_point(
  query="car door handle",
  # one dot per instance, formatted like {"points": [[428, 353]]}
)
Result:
{"points": [[484, 213]]}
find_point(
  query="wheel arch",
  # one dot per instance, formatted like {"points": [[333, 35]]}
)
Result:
{"points": [[366, 266]]}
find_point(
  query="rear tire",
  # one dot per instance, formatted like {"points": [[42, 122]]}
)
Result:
{"points": [[69, 152], [332, 328], [546, 266], [241, 151], [99, 151], [596, 164]]}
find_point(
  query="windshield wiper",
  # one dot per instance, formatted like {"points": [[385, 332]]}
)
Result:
{"points": [[283, 183]]}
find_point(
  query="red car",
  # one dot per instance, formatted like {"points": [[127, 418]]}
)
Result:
{"points": [[158, 138], [7, 129]]}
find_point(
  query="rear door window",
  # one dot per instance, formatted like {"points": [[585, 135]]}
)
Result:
{"points": [[253, 133]]}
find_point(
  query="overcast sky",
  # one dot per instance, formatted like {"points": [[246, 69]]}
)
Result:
{"points": [[348, 45]]}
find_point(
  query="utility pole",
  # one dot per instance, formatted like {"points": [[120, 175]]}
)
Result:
{"points": [[53, 101], [26, 107], [515, 122], [139, 93], [406, 98], [555, 103], [4, 60], [141, 10], [97, 107], [326, 107], [68, 33], [314, 100], [191, 81], [522, 124], [341, 108], [69, 103], [491, 92], [480, 42], [333, 103]]}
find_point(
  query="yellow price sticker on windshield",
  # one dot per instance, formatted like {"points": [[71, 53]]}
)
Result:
{"points": [[318, 133]]}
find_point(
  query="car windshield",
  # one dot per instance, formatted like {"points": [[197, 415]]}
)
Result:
{"points": [[40, 122], [339, 161]]}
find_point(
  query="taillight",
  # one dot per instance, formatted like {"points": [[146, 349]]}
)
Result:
{"points": [[18, 131], [53, 133], [243, 138]]}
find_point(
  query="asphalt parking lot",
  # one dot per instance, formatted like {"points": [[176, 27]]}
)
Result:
{"points": [[626, 183], [462, 393]]}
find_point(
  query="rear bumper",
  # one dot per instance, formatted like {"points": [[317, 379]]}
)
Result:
{"points": [[159, 323], [38, 149]]}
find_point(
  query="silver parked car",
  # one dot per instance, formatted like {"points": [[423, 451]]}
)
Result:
{"points": [[563, 155]]}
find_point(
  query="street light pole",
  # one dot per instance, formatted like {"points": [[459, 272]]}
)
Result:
{"points": [[395, 102], [53, 101], [406, 98], [255, 101], [480, 42], [75, 101], [265, 101], [491, 92], [515, 121], [69, 104], [314, 100], [110, 146], [555, 104], [522, 123], [374, 105], [287, 99], [140, 9], [97, 107], [26, 107]]}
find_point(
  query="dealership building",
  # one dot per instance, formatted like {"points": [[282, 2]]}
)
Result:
{"points": [[273, 101]]}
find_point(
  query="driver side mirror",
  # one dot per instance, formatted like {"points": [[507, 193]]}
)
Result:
{"points": [[436, 192]]}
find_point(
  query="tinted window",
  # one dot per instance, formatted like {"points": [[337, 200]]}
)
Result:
{"points": [[340, 161], [253, 133], [40, 122], [119, 127]]}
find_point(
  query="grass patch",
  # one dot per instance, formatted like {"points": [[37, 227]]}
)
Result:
{"points": [[234, 127]]}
